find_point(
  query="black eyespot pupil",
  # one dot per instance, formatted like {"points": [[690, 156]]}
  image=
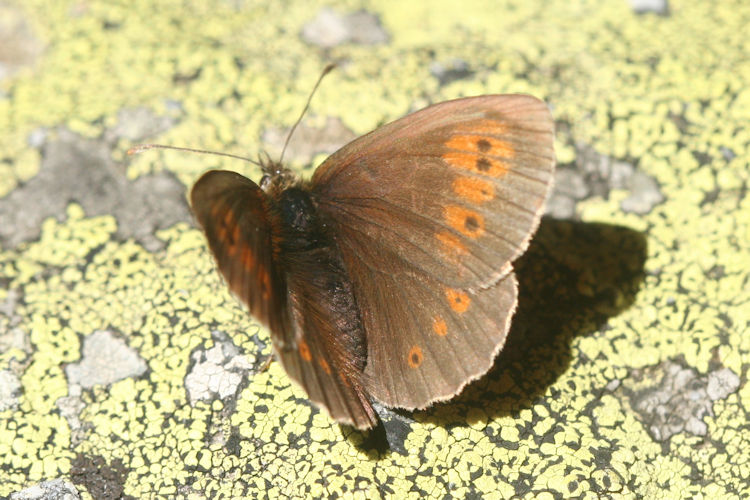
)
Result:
{"points": [[483, 145]]}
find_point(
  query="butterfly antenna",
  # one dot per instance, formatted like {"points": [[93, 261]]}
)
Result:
{"points": [[145, 147], [326, 70]]}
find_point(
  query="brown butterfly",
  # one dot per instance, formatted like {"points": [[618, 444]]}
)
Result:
{"points": [[388, 275]]}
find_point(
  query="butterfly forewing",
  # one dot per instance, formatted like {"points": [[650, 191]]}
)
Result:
{"points": [[455, 189], [234, 214]]}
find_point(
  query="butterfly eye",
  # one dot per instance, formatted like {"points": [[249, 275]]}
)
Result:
{"points": [[265, 181]]}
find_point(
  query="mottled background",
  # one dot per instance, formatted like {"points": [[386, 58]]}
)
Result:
{"points": [[127, 369]]}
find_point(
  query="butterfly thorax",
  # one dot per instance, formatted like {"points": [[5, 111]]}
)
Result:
{"points": [[301, 229]]}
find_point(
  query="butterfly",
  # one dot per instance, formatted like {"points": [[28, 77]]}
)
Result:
{"points": [[388, 275]]}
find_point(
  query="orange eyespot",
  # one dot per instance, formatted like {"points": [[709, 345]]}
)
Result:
{"points": [[415, 357], [304, 350], [485, 145], [228, 219], [234, 244], [458, 300], [465, 221], [476, 163], [473, 189], [324, 365], [221, 234], [439, 326], [265, 282], [247, 258]]}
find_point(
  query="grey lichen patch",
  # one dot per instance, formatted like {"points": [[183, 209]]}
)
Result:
{"points": [[19, 46], [570, 187], [81, 170], [217, 372], [660, 7], [670, 398], [70, 408], [105, 360], [721, 383], [137, 124], [10, 390], [308, 140], [644, 194], [450, 71], [595, 174], [12, 336], [56, 489], [329, 29]]}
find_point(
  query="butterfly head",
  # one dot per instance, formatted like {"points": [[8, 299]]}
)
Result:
{"points": [[276, 177]]}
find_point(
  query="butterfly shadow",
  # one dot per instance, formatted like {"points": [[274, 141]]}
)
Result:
{"points": [[573, 278]]}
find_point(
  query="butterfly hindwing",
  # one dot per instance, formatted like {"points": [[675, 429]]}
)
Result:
{"points": [[432, 339], [320, 350]]}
